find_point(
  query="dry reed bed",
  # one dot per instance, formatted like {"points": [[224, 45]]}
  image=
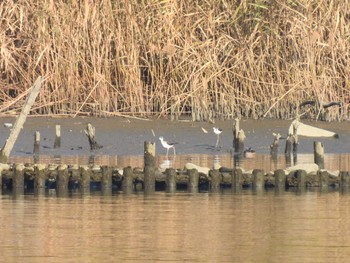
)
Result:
{"points": [[217, 59]]}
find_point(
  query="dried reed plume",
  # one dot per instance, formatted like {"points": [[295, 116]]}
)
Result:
{"points": [[211, 59]]}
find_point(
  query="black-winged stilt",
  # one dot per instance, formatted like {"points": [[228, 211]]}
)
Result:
{"points": [[217, 131], [167, 146]]}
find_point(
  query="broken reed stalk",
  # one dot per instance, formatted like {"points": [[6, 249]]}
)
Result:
{"points": [[10, 142]]}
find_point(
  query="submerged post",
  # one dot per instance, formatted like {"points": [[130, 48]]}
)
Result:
{"points": [[319, 154], [62, 178], [170, 180], [40, 178], [193, 180], [106, 180], [85, 177], [258, 178], [237, 178], [344, 179], [323, 179], [149, 166], [18, 176], [128, 180], [301, 179], [215, 179], [280, 179], [10, 142]]}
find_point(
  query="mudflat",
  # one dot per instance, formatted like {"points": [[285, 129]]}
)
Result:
{"points": [[125, 136]]}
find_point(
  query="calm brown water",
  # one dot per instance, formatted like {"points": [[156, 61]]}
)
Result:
{"points": [[179, 227], [243, 226]]}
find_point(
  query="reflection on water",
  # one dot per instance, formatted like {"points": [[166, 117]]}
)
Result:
{"points": [[204, 227], [260, 161]]}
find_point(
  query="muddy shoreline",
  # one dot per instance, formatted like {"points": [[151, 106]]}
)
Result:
{"points": [[125, 136]]}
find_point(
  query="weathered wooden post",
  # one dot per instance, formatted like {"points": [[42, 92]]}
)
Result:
{"points": [[235, 130], [301, 178], [149, 166], [215, 179], [193, 180], [323, 179], [40, 178], [288, 147], [319, 154], [280, 179], [36, 149], [10, 142], [85, 177], [344, 179], [128, 180], [274, 146], [170, 180], [237, 179], [62, 177], [18, 176], [258, 179], [90, 133], [106, 179], [57, 143]]}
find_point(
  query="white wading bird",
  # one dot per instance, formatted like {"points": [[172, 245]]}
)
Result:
{"points": [[309, 131], [167, 146], [217, 131]]}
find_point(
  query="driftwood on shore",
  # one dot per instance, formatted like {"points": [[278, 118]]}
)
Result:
{"points": [[10, 142]]}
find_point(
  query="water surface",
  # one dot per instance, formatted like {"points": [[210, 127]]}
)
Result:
{"points": [[181, 227]]}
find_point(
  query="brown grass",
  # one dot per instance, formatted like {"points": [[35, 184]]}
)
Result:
{"points": [[211, 59]]}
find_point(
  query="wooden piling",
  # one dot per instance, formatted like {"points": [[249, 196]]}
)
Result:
{"points": [[62, 177], [280, 179], [106, 179], [85, 177], [18, 176], [323, 179], [193, 180], [288, 147], [149, 166], [57, 143], [344, 179], [170, 179], [301, 178], [215, 179], [274, 146], [36, 142], [237, 178], [258, 178], [319, 154], [40, 178], [128, 180], [240, 143], [235, 130]]}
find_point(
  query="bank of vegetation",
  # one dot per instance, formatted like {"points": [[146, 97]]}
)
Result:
{"points": [[212, 59]]}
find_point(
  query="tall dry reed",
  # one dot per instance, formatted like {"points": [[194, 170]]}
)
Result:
{"points": [[211, 59]]}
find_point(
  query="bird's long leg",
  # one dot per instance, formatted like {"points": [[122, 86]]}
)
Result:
{"points": [[217, 141], [167, 153], [174, 151]]}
